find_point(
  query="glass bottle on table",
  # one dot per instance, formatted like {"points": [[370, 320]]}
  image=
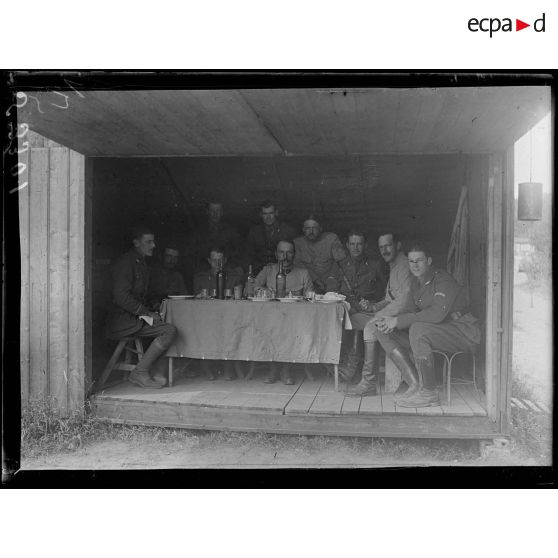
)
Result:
{"points": [[250, 282], [220, 281], [280, 282]]}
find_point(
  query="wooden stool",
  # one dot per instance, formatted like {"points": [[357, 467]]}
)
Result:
{"points": [[448, 361], [126, 344]]}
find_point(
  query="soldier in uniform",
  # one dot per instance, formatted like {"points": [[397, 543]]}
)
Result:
{"points": [[317, 251], [361, 279], [298, 281], [262, 238], [165, 279], [208, 279], [215, 232], [132, 313], [440, 321], [397, 300]]}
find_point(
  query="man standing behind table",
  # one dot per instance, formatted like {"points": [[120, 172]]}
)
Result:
{"points": [[262, 238], [164, 280], [318, 251], [298, 282], [131, 315], [440, 321], [361, 279], [214, 232], [397, 299]]}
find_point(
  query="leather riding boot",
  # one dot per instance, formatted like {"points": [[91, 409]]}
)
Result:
{"points": [[367, 385], [409, 374], [286, 377], [142, 379], [140, 375], [348, 369], [208, 370], [272, 374], [427, 395]]}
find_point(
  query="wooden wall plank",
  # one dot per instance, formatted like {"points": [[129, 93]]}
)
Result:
{"points": [[23, 198], [88, 272], [494, 284], [76, 280], [508, 209], [58, 267], [38, 218]]}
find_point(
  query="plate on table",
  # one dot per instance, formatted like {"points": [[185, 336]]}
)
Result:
{"points": [[291, 299], [180, 297], [256, 299]]}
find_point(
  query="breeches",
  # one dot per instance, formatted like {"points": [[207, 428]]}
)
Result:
{"points": [[421, 338], [163, 332]]}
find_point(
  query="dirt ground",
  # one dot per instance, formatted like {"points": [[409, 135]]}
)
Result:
{"points": [[532, 361]]}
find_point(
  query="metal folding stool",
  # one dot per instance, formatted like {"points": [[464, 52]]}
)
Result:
{"points": [[448, 362]]}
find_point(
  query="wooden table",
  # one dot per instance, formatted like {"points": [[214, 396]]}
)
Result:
{"points": [[245, 330]]}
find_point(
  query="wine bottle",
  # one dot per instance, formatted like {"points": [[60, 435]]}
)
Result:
{"points": [[220, 280], [250, 282], [280, 282]]}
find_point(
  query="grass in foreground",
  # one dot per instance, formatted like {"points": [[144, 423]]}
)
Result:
{"points": [[44, 432]]}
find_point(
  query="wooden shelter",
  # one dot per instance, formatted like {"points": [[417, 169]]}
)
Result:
{"points": [[379, 157]]}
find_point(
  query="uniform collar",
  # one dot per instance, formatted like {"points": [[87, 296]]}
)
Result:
{"points": [[428, 276], [138, 258]]}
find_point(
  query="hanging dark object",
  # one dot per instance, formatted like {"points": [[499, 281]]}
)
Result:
{"points": [[529, 202]]}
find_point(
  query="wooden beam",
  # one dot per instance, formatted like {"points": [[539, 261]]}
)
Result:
{"points": [[198, 417], [38, 249], [25, 299], [76, 278], [508, 208], [58, 271]]}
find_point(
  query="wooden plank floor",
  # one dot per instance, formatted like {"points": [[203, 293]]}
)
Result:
{"points": [[307, 397]]}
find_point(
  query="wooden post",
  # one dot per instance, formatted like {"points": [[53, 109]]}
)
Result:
{"points": [[23, 199], [494, 285], [58, 266], [77, 265], [38, 247], [508, 206]]}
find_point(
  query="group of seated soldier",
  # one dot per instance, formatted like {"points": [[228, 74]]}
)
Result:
{"points": [[413, 311]]}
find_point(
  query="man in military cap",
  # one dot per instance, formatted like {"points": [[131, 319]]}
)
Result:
{"points": [[263, 237], [318, 251], [440, 320], [132, 315]]}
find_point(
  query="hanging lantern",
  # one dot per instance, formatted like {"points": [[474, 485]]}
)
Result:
{"points": [[529, 202]]}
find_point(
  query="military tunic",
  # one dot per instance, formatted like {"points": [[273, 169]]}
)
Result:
{"points": [[319, 257], [298, 279], [130, 282], [397, 298], [440, 321]]}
